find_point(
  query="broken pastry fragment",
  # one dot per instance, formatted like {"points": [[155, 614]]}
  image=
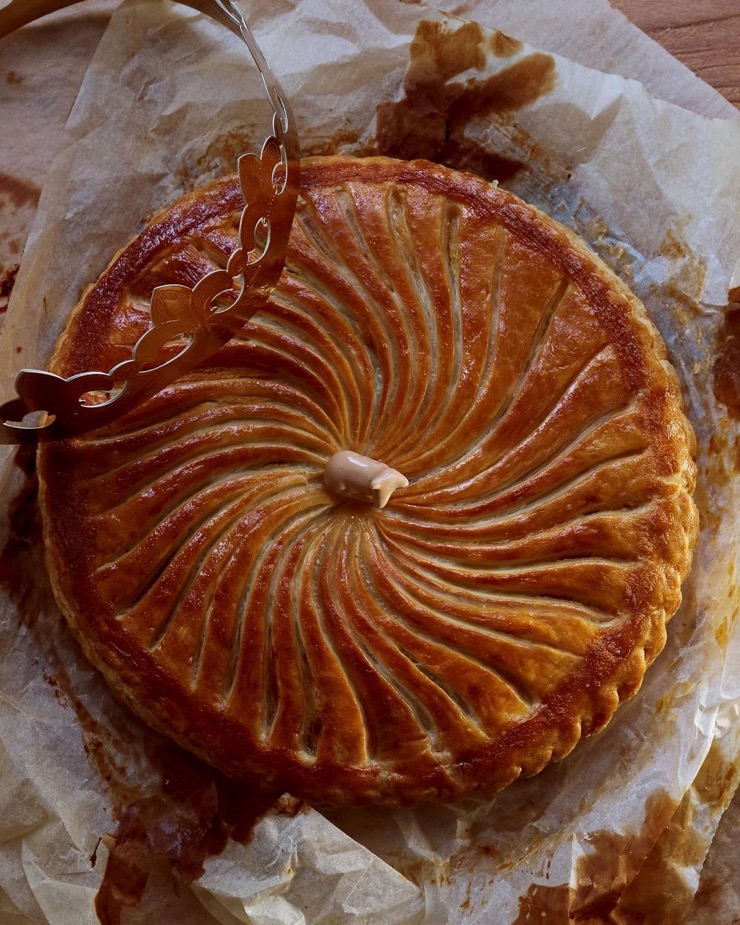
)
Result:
{"points": [[246, 596]]}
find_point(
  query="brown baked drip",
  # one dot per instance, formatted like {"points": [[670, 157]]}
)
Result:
{"points": [[496, 610]]}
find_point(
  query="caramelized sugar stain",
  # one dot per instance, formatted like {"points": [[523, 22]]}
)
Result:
{"points": [[673, 246], [717, 778], [503, 45], [725, 631], [21, 551], [688, 271], [190, 815], [112, 772], [725, 445], [18, 192], [544, 905], [722, 460], [465, 904], [438, 53], [718, 893], [324, 147], [603, 875], [191, 820], [614, 860], [659, 893], [726, 371], [219, 158], [519, 85], [685, 283], [707, 899], [225, 150], [430, 121], [7, 281]]}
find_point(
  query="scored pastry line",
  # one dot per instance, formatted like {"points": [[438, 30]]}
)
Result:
{"points": [[386, 325], [451, 245], [515, 388], [495, 568], [288, 526], [559, 455], [273, 353], [283, 638], [287, 344], [296, 320], [386, 619], [376, 635], [175, 516], [477, 621], [303, 289], [284, 653], [468, 580], [578, 480], [359, 631], [476, 598], [330, 615], [304, 598], [516, 685], [244, 684], [249, 484], [238, 453], [374, 323], [353, 363], [462, 703], [228, 554], [471, 532], [407, 309], [444, 351], [355, 374], [508, 395], [192, 554], [407, 305], [390, 331], [141, 474], [489, 436], [236, 427], [216, 393], [251, 416]]}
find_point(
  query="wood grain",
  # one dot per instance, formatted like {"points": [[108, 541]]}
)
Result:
{"points": [[704, 35]]}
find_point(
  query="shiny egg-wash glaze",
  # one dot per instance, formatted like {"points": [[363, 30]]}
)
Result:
{"points": [[496, 610]]}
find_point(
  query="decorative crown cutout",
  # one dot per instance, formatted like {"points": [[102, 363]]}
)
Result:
{"points": [[194, 321]]}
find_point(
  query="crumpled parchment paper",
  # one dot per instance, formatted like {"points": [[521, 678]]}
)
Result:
{"points": [[623, 825]]}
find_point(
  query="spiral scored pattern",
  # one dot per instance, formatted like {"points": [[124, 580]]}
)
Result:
{"points": [[499, 607]]}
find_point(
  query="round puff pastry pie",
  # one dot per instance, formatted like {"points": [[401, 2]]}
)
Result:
{"points": [[496, 609]]}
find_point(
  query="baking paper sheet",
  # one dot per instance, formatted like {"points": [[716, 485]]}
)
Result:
{"points": [[628, 818], [40, 74]]}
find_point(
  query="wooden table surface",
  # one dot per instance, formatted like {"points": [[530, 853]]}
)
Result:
{"points": [[703, 34]]}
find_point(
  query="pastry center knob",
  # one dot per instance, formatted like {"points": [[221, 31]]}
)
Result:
{"points": [[350, 475]]}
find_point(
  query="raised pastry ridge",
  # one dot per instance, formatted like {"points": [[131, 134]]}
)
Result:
{"points": [[499, 606]]}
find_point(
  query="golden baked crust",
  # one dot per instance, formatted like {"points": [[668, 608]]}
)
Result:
{"points": [[499, 608]]}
